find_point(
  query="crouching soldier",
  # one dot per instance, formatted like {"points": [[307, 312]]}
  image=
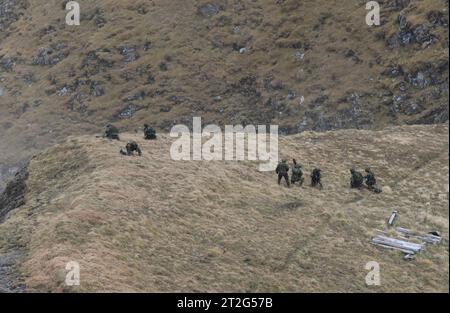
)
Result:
{"points": [[371, 182], [316, 178], [282, 171], [111, 132], [131, 148], [297, 173], [149, 132], [357, 179]]}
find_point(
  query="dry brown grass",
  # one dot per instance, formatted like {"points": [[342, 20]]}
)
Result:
{"points": [[153, 224], [203, 64]]}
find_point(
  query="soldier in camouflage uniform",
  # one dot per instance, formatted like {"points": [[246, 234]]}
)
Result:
{"points": [[297, 173], [282, 171], [149, 132], [111, 132], [371, 182], [357, 179], [316, 177], [131, 148]]}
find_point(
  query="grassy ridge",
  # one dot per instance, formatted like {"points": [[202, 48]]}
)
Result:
{"points": [[153, 224]]}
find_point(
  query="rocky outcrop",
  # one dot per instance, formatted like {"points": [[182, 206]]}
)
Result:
{"points": [[48, 56], [14, 194], [10, 11]]}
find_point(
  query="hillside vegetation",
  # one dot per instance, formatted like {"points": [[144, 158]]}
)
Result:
{"points": [[305, 65], [152, 224]]}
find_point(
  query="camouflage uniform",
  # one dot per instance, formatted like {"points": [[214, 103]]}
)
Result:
{"points": [[370, 179], [111, 132], [357, 179], [316, 178], [371, 182], [297, 173], [131, 147], [149, 132], [282, 171]]}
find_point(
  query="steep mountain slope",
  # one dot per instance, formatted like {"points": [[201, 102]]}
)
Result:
{"points": [[153, 224], [300, 64]]}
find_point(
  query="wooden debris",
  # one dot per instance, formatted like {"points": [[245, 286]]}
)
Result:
{"points": [[428, 238], [391, 243]]}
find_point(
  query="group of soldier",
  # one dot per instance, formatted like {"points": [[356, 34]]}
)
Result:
{"points": [[132, 147], [357, 179]]}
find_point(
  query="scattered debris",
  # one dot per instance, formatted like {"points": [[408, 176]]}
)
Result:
{"points": [[409, 257], [431, 238], [392, 218], [409, 248], [392, 243]]}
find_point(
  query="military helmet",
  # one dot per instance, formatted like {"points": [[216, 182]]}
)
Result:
{"points": [[368, 169]]}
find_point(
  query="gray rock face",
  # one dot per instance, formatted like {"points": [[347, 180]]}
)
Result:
{"points": [[49, 56], [11, 198], [10, 12], [129, 54], [128, 111], [318, 119], [13, 195], [428, 75], [409, 34], [7, 64], [434, 116], [7, 273]]}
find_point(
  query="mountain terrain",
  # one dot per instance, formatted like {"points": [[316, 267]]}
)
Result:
{"points": [[303, 65]]}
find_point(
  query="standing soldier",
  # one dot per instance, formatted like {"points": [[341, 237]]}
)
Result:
{"points": [[297, 173], [282, 171], [149, 132], [357, 179], [316, 177]]}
